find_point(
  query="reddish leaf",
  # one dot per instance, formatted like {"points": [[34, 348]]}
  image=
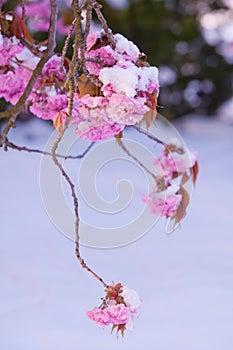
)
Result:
{"points": [[195, 170], [86, 87], [58, 121], [100, 42], [181, 211], [184, 179], [118, 136]]}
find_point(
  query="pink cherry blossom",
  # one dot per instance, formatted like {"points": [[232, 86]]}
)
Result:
{"points": [[100, 316], [161, 203], [119, 313], [95, 131]]}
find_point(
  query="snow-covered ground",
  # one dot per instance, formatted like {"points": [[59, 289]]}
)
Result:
{"points": [[185, 279]]}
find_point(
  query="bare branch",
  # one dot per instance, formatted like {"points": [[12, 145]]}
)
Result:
{"points": [[124, 148], [22, 4], [97, 7], [76, 213], [9, 144], [146, 133]]}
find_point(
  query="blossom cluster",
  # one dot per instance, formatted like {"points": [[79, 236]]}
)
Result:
{"points": [[174, 168], [120, 307], [128, 91], [119, 89]]}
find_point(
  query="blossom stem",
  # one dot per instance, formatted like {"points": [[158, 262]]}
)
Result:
{"points": [[11, 145], [124, 148], [75, 205]]}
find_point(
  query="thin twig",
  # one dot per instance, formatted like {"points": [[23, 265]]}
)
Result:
{"points": [[123, 147], [97, 7], [12, 145], [146, 133], [22, 4], [76, 213], [66, 44]]}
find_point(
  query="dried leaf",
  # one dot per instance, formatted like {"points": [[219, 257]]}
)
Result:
{"points": [[58, 121], [142, 61], [86, 86], [100, 42], [195, 170], [118, 137], [18, 28], [181, 211], [184, 179]]}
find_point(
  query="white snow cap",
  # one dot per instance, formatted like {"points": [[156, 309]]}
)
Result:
{"points": [[29, 59], [123, 45], [122, 80]]}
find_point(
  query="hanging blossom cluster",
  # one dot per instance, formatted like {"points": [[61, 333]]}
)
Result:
{"points": [[119, 308], [174, 168], [112, 86], [127, 92], [127, 86]]}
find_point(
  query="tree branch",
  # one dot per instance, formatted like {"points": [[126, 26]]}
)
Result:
{"points": [[9, 144], [76, 213]]}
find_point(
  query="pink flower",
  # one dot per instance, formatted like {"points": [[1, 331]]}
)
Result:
{"points": [[162, 203], [119, 314], [46, 107], [96, 131], [125, 110], [100, 316]]}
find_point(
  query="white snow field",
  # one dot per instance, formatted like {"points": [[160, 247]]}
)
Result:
{"points": [[185, 279]]}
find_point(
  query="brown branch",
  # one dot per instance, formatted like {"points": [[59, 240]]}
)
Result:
{"points": [[22, 4], [15, 111], [76, 213], [123, 147], [97, 7], [11, 145], [146, 133], [66, 44]]}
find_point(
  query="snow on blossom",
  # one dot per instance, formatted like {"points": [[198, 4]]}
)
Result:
{"points": [[126, 47], [122, 80], [120, 307], [164, 203], [175, 159]]}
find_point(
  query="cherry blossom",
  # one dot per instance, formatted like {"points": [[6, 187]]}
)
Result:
{"points": [[120, 307]]}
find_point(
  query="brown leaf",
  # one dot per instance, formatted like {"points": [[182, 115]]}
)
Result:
{"points": [[85, 86], [181, 210], [184, 179], [118, 136], [58, 121], [195, 170], [18, 27], [100, 42]]}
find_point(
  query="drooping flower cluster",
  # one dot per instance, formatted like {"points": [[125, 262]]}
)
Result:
{"points": [[174, 168], [129, 87], [120, 307], [119, 90]]}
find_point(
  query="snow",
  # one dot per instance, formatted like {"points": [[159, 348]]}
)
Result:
{"points": [[185, 279]]}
